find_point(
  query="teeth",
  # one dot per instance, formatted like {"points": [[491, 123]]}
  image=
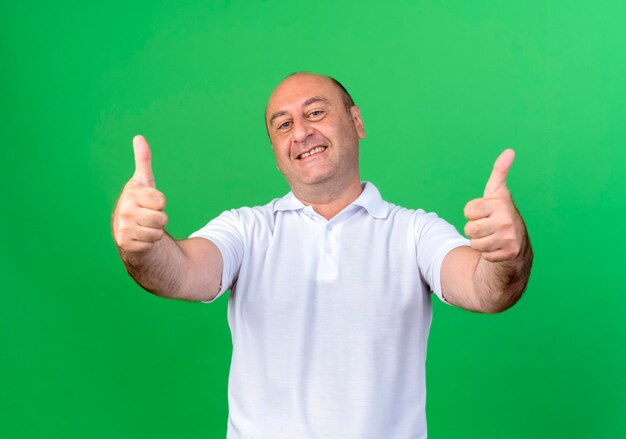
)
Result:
{"points": [[313, 151]]}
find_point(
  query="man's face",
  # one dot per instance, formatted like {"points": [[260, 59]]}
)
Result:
{"points": [[314, 137]]}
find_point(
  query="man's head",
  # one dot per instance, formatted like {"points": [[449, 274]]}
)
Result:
{"points": [[314, 128]]}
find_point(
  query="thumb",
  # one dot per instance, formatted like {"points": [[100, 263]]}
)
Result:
{"points": [[143, 163], [497, 180]]}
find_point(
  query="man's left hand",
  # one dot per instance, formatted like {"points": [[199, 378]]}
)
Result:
{"points": [[495, 227]]}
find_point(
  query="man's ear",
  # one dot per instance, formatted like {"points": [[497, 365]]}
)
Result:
{"points": [[358, 122]]}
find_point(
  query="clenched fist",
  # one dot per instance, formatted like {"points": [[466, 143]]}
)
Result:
{"points": [[495, 227], [138, 219]]}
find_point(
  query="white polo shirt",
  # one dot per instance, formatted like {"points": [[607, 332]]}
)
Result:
{"points": [[329, 319]]}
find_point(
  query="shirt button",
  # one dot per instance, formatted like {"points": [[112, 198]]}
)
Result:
{"points": [[329, 228], [329, 250]]}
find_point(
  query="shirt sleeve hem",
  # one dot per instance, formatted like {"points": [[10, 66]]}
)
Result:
{"points": [[439, 257], [225, 266]]}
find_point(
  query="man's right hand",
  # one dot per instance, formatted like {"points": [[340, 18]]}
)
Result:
{"points": [[138, 219]]}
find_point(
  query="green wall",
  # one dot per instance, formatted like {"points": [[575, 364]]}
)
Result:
{"points": [[443, 88]]}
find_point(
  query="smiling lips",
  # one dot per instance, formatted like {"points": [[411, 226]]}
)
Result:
{"points": [[311, 152]]}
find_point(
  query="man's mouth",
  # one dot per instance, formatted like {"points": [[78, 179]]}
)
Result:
{"points": [[311, 152]]}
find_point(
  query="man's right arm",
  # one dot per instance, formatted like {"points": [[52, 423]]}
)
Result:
{"points": [[189, 269]]}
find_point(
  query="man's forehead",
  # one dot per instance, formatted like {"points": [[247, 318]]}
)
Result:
{"points": [[302, 89]]}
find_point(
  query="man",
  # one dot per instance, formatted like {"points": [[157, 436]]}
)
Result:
{"points": [[330, 303]]}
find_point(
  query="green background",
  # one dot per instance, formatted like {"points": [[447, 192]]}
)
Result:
{"points": [[443, 88]]}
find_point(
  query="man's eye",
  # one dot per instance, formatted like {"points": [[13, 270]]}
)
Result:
{"points": [[316, 113], [284, 125]]}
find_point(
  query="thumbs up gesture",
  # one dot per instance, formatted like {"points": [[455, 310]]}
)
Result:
{"points": [[495, 227], [138, 219]]}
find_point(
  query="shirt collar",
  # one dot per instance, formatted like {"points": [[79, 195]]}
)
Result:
{"points": [[369, 199]]}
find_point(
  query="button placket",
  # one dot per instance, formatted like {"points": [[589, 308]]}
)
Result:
{"points": [[328, 269]]}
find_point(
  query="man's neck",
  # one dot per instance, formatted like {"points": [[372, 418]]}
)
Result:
{"points": [[330, 201]]}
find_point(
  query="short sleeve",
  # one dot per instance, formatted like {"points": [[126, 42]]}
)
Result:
{"points": [[434, 239], [224, 231]]}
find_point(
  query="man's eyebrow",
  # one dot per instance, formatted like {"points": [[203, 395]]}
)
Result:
{"points": [[276, 115], [306, 103], [315, 99]]}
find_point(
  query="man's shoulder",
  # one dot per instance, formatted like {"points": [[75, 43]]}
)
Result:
{"points": [[254, 213], [239, 220], [373, 196], [418, 218], [249, 210], [394, 211]]}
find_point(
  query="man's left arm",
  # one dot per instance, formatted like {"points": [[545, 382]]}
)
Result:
{"points": [[490, 275]]}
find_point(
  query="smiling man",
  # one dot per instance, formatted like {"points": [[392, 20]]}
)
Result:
{"points": [[331, 286], [315, 134]]}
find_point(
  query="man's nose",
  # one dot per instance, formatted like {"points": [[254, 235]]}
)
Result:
{"points": [[302, 129]]}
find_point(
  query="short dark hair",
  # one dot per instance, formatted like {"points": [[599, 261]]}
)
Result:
{"points": [[345, 96]]}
